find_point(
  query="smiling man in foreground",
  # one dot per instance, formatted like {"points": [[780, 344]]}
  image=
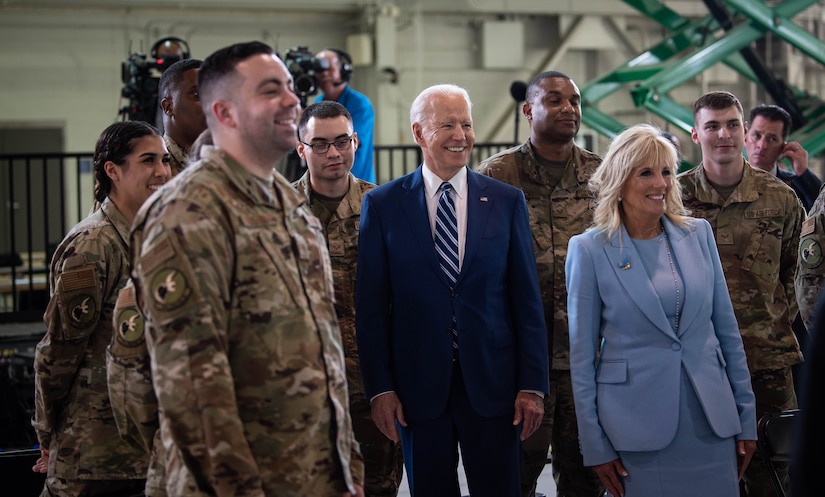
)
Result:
{"points": [[233, 277]]}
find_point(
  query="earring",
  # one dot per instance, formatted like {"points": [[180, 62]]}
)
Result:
{"points": [[620, 198]]}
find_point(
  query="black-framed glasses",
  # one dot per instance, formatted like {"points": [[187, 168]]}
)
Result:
{"points": [[323, 147]]}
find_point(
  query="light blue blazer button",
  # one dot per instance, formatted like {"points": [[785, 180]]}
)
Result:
{"points": [[676, 346]]}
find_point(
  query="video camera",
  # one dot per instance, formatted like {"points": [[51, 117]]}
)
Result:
{"points": [[140, 76], [303, 66]]}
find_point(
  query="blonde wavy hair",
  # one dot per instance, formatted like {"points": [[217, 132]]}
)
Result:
{"points": [[635, 147]]}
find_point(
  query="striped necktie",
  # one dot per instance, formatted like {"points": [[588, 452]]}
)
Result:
{"points": [[446, 233]]}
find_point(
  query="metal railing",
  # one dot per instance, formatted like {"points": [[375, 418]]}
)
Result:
{"points": [[44, 195]]}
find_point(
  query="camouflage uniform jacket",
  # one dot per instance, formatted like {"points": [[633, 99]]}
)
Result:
{"points": [[810, 272], [556, 215], [341, 233], [178, 158], [232, 275], [757, 232], [133, 399], [73, 418]]}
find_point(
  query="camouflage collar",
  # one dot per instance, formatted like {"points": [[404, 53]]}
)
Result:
{"points": [[177, 152], [119, 222], [258, 191], [573, 174], [746, 190], [351, 203]]}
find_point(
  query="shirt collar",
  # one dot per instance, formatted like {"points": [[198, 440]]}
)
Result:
{"points": [[432, 183]]}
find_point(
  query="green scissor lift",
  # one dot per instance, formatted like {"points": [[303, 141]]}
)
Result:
{"points": [[692, 46]]}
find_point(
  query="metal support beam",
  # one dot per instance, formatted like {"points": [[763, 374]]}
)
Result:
{"points": [[663, 68], [775, 86], [686, 69], [600, 122], [659, 12], [778, 22], [667, 108]]}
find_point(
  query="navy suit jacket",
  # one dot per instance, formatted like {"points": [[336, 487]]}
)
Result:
{"points": [[626, 360], [405, 306]]}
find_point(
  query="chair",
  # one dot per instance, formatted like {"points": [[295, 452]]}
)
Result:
{"points": [[775, 432]]}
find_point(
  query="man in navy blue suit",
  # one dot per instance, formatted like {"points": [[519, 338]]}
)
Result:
{"points": [[766, 143], [450, 327]]}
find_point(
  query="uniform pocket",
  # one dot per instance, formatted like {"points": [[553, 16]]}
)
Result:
{"points": [[765, 247]]}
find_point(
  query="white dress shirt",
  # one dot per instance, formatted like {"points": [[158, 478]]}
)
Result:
{"points": [[432, 189]]}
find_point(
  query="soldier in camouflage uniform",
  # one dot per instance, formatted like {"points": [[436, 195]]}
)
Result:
{"points": [[183, 117], [553, 173], [810, 272], [335, 196], [327, 144], [79, 441], [133, 399], [233, 277], [756, 220]]}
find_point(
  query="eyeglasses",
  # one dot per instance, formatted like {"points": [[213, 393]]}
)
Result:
{"points": [[323, 147]]}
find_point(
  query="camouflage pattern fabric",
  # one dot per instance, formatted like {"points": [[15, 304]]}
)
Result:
{"points": [[757, 232], [73, 418], [556, 215], [57, 487], [177, 155], [810, 271], [383, 459], [132, 395], [232, 275]]}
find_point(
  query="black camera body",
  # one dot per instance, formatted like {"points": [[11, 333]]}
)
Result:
{"points": [[303, 66], [140, 77]]}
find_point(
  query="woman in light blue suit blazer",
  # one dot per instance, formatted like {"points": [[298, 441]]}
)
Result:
{"points": [[661, 384]]}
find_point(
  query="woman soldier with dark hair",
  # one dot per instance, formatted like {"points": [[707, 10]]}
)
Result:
{"points": [[80, 446]]}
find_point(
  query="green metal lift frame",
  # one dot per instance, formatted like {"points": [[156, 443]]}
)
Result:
{"points": [[691, 47]]}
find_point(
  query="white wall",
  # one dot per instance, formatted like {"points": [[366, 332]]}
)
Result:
{"points": [[62, 64]]}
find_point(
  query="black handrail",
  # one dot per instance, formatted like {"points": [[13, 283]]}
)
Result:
{"points": [[37, 212]]}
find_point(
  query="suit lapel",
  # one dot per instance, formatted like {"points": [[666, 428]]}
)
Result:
{"points": [[414, 204], [479, 205], [629, 270]]}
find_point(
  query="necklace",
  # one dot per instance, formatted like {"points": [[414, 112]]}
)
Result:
{"points": [[675, 280]]}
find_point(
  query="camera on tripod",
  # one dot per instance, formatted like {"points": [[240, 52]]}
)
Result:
{"points": [[303, 66], [140, 76]]}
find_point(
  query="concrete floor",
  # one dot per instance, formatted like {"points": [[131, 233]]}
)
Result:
{"points": [[546, 485]]}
